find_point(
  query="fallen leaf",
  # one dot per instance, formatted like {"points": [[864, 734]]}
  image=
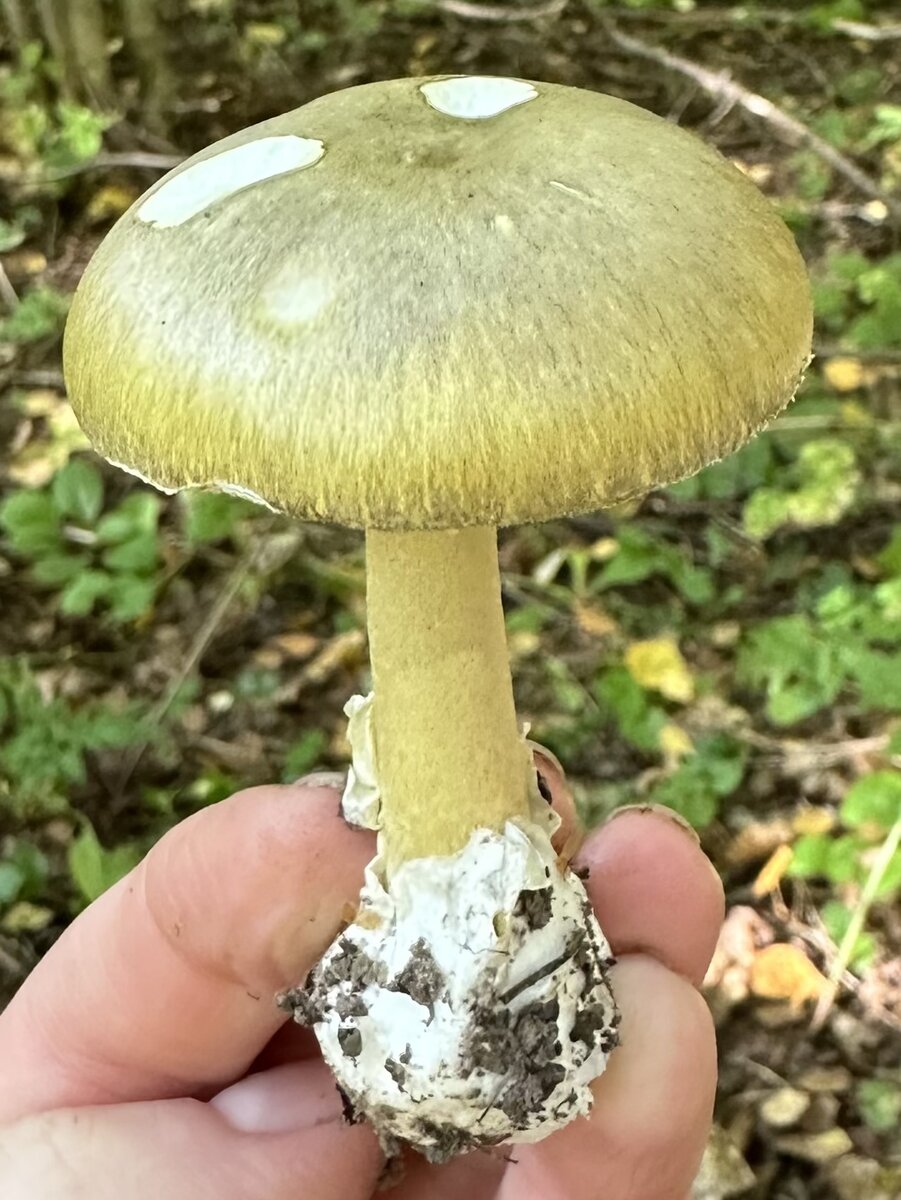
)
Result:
{"points": [[658, 664], [723, 1171], [844, 374], [756, 841], [594, 620], [815, 821], [110, 202], [784, 972], [784, 1107], [674, 743], [26, 918], [773, 870], [296, 644], [816, 1147]]}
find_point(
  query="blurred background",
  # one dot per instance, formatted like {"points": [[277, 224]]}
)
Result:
{"points": [[730, 646]]}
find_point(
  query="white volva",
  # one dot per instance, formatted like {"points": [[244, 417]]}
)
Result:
{"points": [[468, 1003]]}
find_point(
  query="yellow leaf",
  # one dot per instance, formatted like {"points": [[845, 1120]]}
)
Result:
{"points": [[771, 873], [25, 917], [812, 821], [658, 664], [844, 374], [110, 202], [265, 33], [783, 972], [674, 742]]}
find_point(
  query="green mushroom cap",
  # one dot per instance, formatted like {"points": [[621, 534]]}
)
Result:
{"points": [[436, 303]]}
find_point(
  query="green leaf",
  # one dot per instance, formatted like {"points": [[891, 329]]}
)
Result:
{"points": [[878, 676], [837, 917], [879, 1103], [39, 315], [811, 856], [79, 597], [11, 880], [31, 521], [93, 868], [703, 779], [130, 596], [78, 491], [57, 569], [213, 516], [639, 720], [874, 799], [303, 756], [138, 555], [137, 515]]}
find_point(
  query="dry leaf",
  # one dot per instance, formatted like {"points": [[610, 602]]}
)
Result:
{"points": [[757, 840], [296, 645], [784, 1107], [783, 972], [773, 871], [341, 651], [658, 664], [593, 620], [816, 1147]]}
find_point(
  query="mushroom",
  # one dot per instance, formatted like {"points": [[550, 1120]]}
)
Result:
{"points": [[427, 308]]}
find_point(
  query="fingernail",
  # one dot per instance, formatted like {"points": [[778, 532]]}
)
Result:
{"points": [[322, 779], [658, 810], [281, 1100], [552, 758]]}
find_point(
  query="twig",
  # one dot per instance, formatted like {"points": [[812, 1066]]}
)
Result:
{"points": [[714, 17], [725, 90], [205, 634], [7, 292], [499, 13], [878, 354], [867, 33], [868, 892], [140, 159]]}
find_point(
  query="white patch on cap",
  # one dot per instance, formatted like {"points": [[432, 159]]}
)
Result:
{"points": [[198, 187], [294, 297], [143, 478], [504, 224], [474, 97], [243, 493]]}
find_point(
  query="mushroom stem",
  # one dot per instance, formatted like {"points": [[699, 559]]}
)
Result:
{"points": [[449, 754]]}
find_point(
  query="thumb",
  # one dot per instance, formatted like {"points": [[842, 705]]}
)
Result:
{"points": [[273, 1136]]}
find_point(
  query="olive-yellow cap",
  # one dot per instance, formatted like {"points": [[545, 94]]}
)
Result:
{"points": [[435, 303]]}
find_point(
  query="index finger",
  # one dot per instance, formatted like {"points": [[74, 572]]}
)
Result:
{"points": [[165, 985]]}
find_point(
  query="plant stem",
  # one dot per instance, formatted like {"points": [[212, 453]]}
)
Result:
{"points": [[448, 750]]}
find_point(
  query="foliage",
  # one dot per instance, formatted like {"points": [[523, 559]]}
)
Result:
{"points": [[93, 559], [45, 741], [870, 807], [39, 315], [823, 485], [859, 300], [850, 643], [93, 868]]}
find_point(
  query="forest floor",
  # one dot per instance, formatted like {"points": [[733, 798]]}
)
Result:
{"points": [[730, 646]]}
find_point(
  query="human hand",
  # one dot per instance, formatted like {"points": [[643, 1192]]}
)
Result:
{"points": [[144, 1056]]}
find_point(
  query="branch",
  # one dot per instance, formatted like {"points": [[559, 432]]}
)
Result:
{"points": [[138, 159], [500, 13], [718, 85]]}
